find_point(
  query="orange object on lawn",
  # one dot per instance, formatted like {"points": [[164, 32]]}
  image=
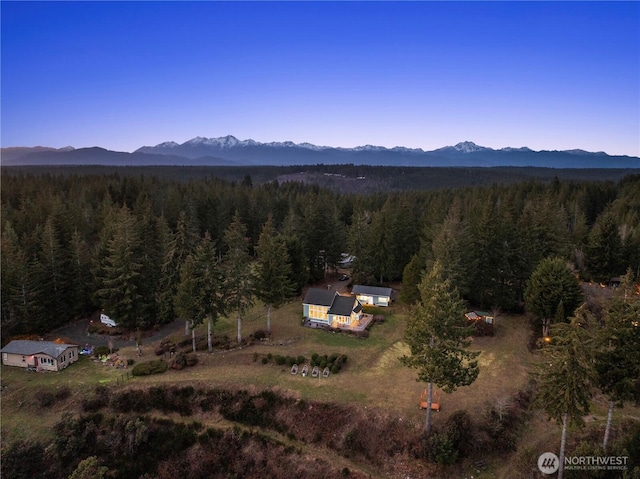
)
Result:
{"points": [[435, 400]]}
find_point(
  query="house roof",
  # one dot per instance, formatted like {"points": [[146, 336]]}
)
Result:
{"points": [[372, 290], [321, 297], [342, 305], [28, 348]]}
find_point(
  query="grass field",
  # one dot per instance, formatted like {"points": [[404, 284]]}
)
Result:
{"points": [[373, 376]]}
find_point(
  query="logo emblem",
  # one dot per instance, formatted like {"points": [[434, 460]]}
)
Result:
{"points": [[548, 463]]}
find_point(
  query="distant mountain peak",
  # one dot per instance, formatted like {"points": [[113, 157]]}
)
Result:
{"points": [[468, 147]]}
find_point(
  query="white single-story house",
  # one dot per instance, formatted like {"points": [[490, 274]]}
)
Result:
{"points": [[374, 295], [330, 308], [47, 355]]}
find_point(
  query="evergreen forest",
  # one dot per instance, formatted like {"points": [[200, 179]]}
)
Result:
{"points": [[131, 244]]}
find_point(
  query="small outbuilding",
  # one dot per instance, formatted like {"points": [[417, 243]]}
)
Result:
{"points": [[373, 295], [44, 355], [480, 316]]}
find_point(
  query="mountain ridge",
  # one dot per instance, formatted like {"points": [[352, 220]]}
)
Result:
{"points": [[230, 151]]}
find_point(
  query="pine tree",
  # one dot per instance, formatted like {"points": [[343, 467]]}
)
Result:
{"points": [[295, 250], [438, 336], [618, 358], [357, 236], [604, 249], [200, 294], [566, 375], [449, 246], [273, 271], [81, 282], [21, 310], [52, 274], [119, 274], [551, 284], [411, 277], [238, 283], [169, 271]]}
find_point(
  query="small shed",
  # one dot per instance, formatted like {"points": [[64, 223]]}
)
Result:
{"points": [[45, 355], [373, 295], [480, 316]]}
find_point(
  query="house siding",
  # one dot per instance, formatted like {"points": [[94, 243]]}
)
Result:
{"points": [[19, 360], [373, 299]]}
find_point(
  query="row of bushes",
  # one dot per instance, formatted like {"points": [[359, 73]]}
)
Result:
{"points": [[334, 361], [280, 360]]}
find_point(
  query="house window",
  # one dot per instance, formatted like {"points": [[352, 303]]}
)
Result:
{"points": [[23, 360], [317, 312], [5, 356], [70, 354]]}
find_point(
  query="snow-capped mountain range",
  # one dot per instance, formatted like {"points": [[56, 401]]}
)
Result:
{"points": [[229, 150]]}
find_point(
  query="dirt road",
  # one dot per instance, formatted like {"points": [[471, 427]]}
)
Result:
{"points": [[77, 333]]}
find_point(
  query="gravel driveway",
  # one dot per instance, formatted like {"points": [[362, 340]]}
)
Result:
{"points": [[77, 333]]}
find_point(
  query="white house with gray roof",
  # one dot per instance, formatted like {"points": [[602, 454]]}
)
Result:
{"points": [[374, 295], [45, 355]]}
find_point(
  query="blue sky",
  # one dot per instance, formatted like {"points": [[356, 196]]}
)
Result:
{"points": [[548, 75]]}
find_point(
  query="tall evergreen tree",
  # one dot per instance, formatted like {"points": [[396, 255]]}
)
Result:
{"points": [[21, 310], [52, 274], [411, 277], [618, 358], [357, 237], [381, 246], [119, 274], [449, 247], [296, 251], [273, 270], [169, 271], [550, 285], [322, 234], [566, 376], [604, 249], [200, 294], [81, 284], [239, 282], [438, 337]]}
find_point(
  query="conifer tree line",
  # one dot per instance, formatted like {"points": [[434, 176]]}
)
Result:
{"points": [[147, 250]]}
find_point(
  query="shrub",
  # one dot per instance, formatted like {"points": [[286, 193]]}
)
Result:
{"points": [[259, 334], [102, 351], [178, 362], [130, 362], [280, 360], [150, 367], [45, 398], [62, 393], [290, 360], [192, 360], [265, 360], [314, 357], [335, 369]]}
